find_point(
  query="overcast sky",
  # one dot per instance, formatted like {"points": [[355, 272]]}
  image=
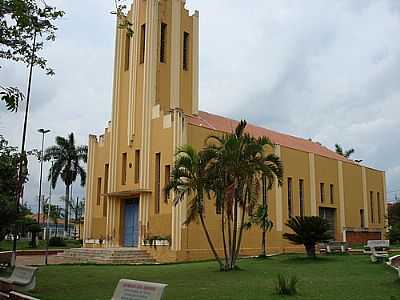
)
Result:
{"points": [[326, 70]]}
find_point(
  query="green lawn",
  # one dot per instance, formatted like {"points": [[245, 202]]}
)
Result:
{"points": [[24, 245], [328, 278]]}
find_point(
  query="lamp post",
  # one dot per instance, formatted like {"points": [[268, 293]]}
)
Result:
{"points": [[48, 217], [43, 132]]}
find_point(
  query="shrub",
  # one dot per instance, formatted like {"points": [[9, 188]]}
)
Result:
{"points": [[56, 241], [286, 286], [308, 230]]}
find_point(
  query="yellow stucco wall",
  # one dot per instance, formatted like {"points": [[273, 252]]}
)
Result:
{"points": [[145, 118]]}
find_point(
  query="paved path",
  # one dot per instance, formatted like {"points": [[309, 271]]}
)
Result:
{"points": [[38, 260]]}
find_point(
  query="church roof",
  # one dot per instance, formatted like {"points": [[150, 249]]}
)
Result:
{"points": [[222, 124]]}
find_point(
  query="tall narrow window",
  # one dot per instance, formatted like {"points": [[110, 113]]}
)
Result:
{"points": [[362, 218], [186, 51], [290, 197], [105, 189], [322, 191], [332, 193], [301, 195], [142, 43], [127, 51], [157, 183], [378, 201], [123, 173], [371, 201], [137, 166], [163, 42], [98, 191], [167, 174]]}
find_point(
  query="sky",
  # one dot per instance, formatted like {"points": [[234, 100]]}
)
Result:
{"points": [[326, 70]]}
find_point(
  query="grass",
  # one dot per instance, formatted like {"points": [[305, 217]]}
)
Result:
{"points": [[24, 245], [332, 277]]}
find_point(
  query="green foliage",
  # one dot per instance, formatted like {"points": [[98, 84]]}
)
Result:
{"points": [[122, 16], [9, 160], [229, 167], [339, 150], [67, 166], [394, 233], [286, 286], [34, 229], [11, 96], [56, 242], [308, 230], [19, 21]]}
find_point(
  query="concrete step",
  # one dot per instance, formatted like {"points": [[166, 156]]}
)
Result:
{"points": [[107, 256]]}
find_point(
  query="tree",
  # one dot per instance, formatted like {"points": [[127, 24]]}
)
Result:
{"points": [[339, 150], [9, 163], [261, 219], [55, 214], [67, 158], [78, 208], [237, 162], [189, 178], [308, 231], [394, 222], [34, 229], [21, 23]]}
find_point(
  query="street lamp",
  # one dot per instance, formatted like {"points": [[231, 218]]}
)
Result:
{"points": [[48, 217], [43, 132]]}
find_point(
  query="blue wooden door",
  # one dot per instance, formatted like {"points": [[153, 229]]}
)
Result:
{"points": [[131, 228]]}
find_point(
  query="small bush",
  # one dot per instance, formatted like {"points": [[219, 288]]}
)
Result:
{"points": [[286, 286], [57, 242]]}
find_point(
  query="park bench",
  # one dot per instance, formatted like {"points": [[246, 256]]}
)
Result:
{"points": [[5, 260], [15, 296], [23, 278], [133, 289], [333, 247], [378, 250], [337, 247]]}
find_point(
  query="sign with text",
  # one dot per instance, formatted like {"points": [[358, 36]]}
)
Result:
{"points": [[138, 290], [378, 243]]}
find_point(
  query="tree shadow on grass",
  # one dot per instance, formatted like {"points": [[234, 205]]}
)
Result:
{"points": [[304, 260]]}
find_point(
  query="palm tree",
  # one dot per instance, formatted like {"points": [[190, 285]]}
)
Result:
{"points": [[238, 162], [67, 158], [308, 231], [78, 208], [261, 219], [55, 214], [339, 150], [189, 178]]}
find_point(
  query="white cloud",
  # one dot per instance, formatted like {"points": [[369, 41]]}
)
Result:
{"points": [[322, 69]]}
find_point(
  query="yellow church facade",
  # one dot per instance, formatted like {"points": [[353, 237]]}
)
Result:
{"points": [[155, 110]]}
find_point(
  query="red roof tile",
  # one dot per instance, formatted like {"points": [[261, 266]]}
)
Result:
{"points": [[219, 123]]}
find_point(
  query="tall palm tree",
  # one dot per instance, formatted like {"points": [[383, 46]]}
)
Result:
{"points": [[67, 158], [189, 178], [240, 161]]}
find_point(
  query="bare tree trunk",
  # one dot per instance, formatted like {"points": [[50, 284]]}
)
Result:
{"points": [[235, 221], [223, 233], [66, 209], [264, 252], [217, 258], [237, 251]]}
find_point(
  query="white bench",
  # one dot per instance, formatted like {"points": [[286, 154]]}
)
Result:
{"points": [[23, 278], [378, 250], [138, 290]]}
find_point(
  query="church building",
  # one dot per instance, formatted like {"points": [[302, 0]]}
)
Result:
{"points": [[155, 110]]}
